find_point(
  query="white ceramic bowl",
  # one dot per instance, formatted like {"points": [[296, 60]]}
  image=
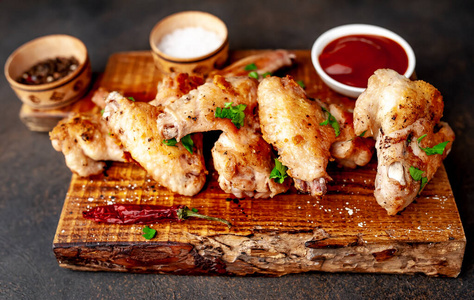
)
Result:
{"points": [[354, 29]]}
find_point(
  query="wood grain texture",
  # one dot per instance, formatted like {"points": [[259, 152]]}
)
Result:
{"points": [[344, 231]]}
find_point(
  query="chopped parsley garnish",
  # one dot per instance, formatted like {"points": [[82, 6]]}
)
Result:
{"points": [[102, 111], [187, 142], [301, 84], [416, 174], [437, 149], [253, 74], [278, 173], [195, 210], [266, 74], [250, 67], [331, 120], [131, 99], [363, 133], [234, 113], [170, 142], [149, 233]]}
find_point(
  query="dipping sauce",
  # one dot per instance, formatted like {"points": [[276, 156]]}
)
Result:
{"points": [[189, 42], [352, 59]]}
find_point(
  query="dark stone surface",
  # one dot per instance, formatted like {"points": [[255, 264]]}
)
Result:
{"points": [[34, 178]]}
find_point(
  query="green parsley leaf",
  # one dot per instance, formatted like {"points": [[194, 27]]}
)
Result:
{"points": [[188, 143], [149, 233], [301, 84], [250, 67], [424, 181], [331, 120], [266, 74], [253, 74], [363, 133], [234, 113], [195, 210], [102, 111], [131, 99], [170, 142], [278, 173], [437, 149], [416, 175]]}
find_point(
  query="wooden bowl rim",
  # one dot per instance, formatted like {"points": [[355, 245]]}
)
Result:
{"points": [[173, 59], [51, 85]]}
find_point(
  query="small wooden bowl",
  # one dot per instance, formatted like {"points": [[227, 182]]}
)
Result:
{"points": [[58, 93], [197, 65]]}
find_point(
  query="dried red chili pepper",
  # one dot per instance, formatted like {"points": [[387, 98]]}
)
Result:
{"points": [[144, 214]]}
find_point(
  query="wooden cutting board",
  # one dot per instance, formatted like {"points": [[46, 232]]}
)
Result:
{"points": [[344, 231]]}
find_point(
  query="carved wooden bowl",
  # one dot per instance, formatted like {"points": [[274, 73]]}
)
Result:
{"points": [[55, 94]]}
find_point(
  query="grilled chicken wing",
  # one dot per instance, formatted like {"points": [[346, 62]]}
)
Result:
{"points": [[99, 96], [349, 150], [397, 112], [195, 112], [174, 86], [244, 162], [269, 61], [86, 143], [171, 166], [291, 123]]}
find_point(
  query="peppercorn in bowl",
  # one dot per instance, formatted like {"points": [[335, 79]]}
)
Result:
{"points": [[50, 71]]}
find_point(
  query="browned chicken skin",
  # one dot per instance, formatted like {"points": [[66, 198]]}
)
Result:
{"points": [[86, 143], [396, 112], [242, 158], [171, 166], [291, 123], [195, 112], [244, 162], [349, 150], [269, 61], [174, 86]]}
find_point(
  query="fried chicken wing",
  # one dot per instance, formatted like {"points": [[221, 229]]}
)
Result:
{"points": [[349, 150], [171, 166], [397, 112], [244, 162], [195, 112], [98, 98], [86, 143], [174, 86], [268, 61], [291, 123]]}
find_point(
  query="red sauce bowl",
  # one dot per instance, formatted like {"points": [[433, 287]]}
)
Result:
{"points": [[345, 56]]}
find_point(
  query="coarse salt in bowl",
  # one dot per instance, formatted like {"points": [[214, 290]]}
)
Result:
{"points": [[189, 42], [355, 29]]}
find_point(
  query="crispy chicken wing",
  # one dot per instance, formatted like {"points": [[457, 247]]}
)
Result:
{"points": [[349, 150], [174, 86], [291, 123], [397, 112], [195, 112], [99, 97], [86, 143], [171, 166], [268, 61], [244, 162]]}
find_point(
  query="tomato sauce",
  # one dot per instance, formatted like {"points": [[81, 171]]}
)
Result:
{"points": [[353, 59]]}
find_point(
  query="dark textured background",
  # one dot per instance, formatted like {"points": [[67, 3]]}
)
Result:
{"points": [[34, 178]]}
